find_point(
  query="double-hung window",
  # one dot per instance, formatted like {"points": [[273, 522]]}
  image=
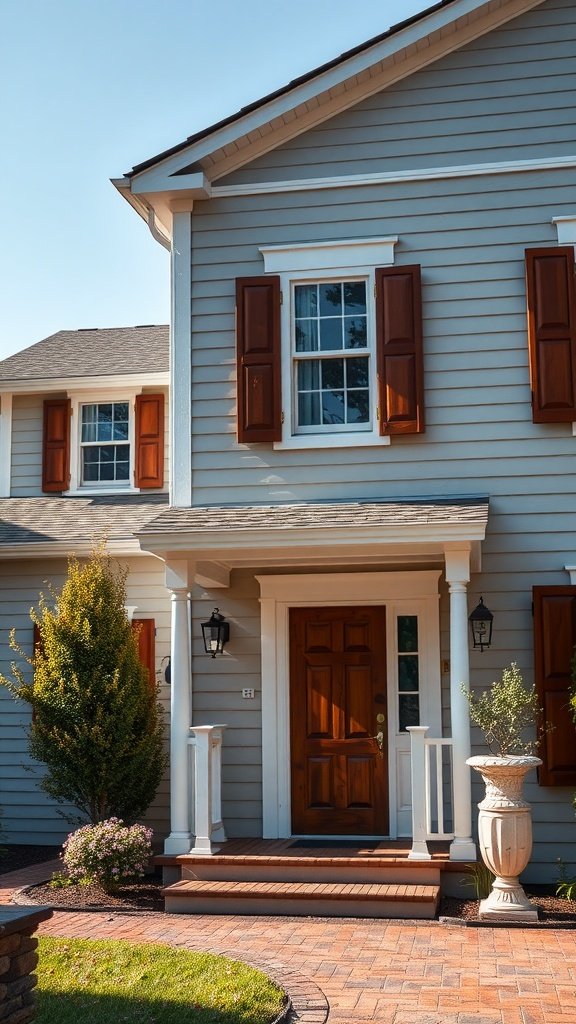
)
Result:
{"points": [[105, 443], [332, 372], [329, 346]]}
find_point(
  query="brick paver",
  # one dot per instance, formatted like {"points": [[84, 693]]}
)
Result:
{"points": [[391, 972]]}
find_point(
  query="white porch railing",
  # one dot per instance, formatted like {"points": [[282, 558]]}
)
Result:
{"points": [[206, 745], [432, 789]]}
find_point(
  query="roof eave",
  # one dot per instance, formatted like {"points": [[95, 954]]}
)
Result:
{"points": [[475, 17], [154, 378]]}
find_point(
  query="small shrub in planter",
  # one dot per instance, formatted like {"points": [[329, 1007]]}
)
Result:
{"points": [[109, 853]]}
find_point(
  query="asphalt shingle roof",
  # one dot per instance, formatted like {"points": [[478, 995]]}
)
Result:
{"points": [[320, 515], [91, 353], [41, 520]]}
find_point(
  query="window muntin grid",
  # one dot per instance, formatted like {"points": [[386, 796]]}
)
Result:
{"points": [[104, 442], [332, 392]]}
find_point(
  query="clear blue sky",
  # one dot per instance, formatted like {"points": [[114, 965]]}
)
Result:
{"points": [[88, 88]]}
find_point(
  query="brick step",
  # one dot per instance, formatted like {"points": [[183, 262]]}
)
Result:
{"points": [[338, 899]]}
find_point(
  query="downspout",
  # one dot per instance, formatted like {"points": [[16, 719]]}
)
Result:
{"points": [[157, 233]]}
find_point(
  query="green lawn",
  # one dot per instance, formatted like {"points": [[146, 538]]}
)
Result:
{"points": [[86, 982]]}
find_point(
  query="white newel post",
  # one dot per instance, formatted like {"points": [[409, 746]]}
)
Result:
{"points": [[458, 576], [180, 711], [206, 743], [419, 849]]}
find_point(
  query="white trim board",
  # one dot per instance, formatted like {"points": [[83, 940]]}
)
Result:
{"points": [[405, 592], [393, 177], [100, 382], [5, 443]]}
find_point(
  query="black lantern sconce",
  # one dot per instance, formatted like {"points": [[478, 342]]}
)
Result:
{"points": [[481, 625], [216, 633]]}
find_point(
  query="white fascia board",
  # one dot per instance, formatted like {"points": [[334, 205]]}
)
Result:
{"points": [[553, 163], [301, 539], [66, 548], [195, 185], [113, 382], [432, 29]]}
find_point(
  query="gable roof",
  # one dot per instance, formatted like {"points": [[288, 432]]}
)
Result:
{"points": [[188, 170], [92, 352], [288, 87]]}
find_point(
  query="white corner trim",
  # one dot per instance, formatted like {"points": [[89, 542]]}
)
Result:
{"points": [[566, 229], [181, 363], [393, 177], [571, 570], [5, 443], [327, 255], [401, 592]]}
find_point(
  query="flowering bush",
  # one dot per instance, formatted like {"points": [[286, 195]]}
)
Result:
{"points": [[109, 852]]}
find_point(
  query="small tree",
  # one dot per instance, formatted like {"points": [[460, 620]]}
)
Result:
{"points": [[96, 723], [504, 712]]}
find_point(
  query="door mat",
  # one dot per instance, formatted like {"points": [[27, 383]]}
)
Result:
{"points": [[335, 844]]}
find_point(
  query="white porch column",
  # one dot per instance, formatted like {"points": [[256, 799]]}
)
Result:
{"points": [[177, 580], [458, 577]]}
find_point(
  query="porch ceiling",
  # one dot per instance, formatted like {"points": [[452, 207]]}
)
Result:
{"points": [[323, 533]]}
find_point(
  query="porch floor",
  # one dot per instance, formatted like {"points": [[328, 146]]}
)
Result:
{"points": [[291, 851]]}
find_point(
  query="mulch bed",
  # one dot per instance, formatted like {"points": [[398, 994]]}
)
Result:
{"points": [[145, 896]]}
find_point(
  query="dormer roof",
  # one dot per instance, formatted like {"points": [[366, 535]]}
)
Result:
{"points": [[90, 353]]}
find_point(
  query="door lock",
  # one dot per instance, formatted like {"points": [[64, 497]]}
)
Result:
{"points": [[380, 718]]}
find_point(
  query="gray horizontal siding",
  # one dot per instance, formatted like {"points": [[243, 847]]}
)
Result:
{"points": [[29, 815], [496, 99]]}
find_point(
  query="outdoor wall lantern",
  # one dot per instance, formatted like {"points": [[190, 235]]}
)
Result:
{"points": [[216, 633], [481, 625]]}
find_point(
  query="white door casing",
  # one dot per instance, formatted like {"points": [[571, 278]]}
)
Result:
{"points": [[402, 593]]}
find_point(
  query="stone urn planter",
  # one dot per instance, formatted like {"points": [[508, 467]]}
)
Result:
{"points": [[505, 834]]}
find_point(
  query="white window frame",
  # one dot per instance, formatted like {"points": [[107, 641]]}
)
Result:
{"points": [[319, 262], [93, 397]]}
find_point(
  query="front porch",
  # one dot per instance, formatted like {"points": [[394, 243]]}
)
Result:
{"points": [[356, 878], [338, 562]]}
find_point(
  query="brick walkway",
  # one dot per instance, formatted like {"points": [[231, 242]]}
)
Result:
{"points": [[353, 971]]}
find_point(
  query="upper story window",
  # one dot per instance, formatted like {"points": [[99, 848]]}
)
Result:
{"points": [[329, 346], [105, 443], [331, 357], [93, 442]]}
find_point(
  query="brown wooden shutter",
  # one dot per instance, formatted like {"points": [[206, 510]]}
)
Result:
{"points": [[258, 359], [146, 629], [56, 445], [554, 640], [551, 297], [399, 350], [149, 462]]}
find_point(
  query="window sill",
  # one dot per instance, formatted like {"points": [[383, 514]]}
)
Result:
{"points": [[85, 492], [299, 442]]}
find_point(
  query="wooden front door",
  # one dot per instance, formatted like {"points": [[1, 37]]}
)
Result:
{"points": [[337, 692]]}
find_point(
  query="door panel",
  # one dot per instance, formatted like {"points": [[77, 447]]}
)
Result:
{"points": [[337, 687]]}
